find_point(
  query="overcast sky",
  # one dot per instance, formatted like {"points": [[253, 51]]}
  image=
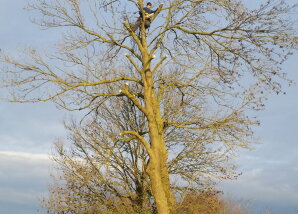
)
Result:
{"points": [[270, 172]]}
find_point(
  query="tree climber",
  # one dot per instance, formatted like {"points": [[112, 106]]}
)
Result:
{"points": [[148, 13]]}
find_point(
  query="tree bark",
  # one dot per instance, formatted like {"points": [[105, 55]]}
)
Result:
{"points": [[157, 170]]}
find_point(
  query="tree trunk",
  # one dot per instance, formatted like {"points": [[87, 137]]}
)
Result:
{"points": [[157, 187], [157, 169]]}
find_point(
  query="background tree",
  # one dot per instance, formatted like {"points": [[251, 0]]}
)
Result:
{"points": [[98, 171], [196, 74]]}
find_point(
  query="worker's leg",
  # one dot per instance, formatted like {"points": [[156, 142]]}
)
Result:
{"points": [[147, 23], [136, 25]]}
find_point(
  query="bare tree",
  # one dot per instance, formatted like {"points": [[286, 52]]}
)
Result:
{"points": [[102, 172], [201, 67]]}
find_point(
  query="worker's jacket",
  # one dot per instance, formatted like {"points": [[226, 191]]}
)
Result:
{"points": [[148, 12]]}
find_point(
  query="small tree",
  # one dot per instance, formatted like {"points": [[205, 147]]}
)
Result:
{"points": [[194, 75], [209, 202]]}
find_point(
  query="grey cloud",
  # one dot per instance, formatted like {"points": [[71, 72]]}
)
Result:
{"points": [[24, 178], [264, 189], [269, 179], [29, 128]]}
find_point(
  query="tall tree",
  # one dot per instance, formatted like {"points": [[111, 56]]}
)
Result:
{"points": [[196, 73]]}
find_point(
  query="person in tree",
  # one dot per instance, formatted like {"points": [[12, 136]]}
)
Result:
{"points": [[148, 13]]}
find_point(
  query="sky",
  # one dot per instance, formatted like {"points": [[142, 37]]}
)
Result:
{"points": [[27, 131]]}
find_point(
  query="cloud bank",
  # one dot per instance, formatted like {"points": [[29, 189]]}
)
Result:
{"points": [[23, 180]]}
